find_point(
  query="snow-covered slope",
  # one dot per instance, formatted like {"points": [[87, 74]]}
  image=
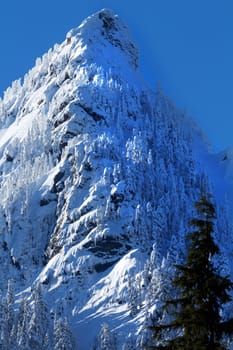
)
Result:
{"points": [[98, 179]]}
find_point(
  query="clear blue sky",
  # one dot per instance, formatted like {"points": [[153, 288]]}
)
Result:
{"points": [[187, 45]]}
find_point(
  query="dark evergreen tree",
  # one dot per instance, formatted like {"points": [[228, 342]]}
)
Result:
{"points": [[196, 321]]}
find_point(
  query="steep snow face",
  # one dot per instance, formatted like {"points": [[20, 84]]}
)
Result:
{"points": [[96, 172]]}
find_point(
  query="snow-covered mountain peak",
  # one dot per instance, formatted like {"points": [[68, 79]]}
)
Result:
{"points": [[98, 176], [102, 33], [63, 131]]}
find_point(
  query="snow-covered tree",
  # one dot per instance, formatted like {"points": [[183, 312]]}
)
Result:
{"points": [[134, 294], [3, 324], [106, 339], [40, 320], [9, 312], [63, 337], [22, 325]]}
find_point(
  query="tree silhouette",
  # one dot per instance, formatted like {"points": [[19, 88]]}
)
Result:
{"points": [[196, 321]]}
